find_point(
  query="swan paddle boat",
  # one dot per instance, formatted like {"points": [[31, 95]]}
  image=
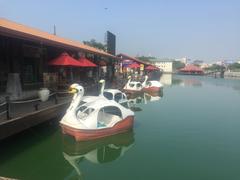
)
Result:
{"points": [[110, 94], [95, 119], [113, 94], [151, 86], [133, 86]]}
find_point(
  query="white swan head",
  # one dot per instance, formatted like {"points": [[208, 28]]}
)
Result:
{"points": [[146, 77], [76, 89], [78, 92]]}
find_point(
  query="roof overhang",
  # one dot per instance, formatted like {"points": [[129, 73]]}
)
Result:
{"points": [[15, 30]]}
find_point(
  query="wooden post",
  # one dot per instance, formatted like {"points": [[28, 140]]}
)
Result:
{"points": [[36, 106], [55, 98], [8, 107]]}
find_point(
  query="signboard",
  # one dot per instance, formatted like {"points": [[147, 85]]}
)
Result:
{"points": [[141, 67], [127, 62], [111, 43]]}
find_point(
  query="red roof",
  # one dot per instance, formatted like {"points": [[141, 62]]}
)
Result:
{"points": [[191, 68], [124, 57], [18, 30], [65, 60]]}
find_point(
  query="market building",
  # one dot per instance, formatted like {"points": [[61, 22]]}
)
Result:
{"points": [[25, 53]]}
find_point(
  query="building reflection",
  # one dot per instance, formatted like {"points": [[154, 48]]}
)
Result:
{"points": [[166, 79], [186, 81], [99, 151]]}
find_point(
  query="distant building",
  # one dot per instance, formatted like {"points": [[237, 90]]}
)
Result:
{"points": [[198, 62], [205, 65], [165, 66], [183, 60]]}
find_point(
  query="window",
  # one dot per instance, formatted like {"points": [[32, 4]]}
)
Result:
{"points": [[83, 112], [131, 84], [108, 95], [112, 110], [139, 85], [149, 83], [117, 97]]}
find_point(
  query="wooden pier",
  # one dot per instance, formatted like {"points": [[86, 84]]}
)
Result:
{"points": [[21, 115]]}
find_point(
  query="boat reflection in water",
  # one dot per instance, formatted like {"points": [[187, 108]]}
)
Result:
{"points": [[143, 98], [96, 151]]}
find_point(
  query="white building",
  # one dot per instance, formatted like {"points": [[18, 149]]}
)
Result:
{"points": [[166, 66], [166, 79], [183, 60]]}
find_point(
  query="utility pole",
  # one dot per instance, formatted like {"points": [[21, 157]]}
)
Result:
{"points": [[54, 30]]}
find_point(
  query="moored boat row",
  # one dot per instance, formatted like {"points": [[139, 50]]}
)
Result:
{"points": [[145, 86]]}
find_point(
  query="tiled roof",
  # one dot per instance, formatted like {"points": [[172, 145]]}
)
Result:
{"points": [[22, 31]]}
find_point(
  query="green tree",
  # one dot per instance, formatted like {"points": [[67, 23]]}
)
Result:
{"points": [[178, 65], [234, 66], [146, 58], [95, 44], [214, 67]]}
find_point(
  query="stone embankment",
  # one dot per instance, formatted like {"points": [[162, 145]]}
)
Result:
{"points": [[232, 74]]}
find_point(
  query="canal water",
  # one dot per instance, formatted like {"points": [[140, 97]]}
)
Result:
{"points": [[191, 132]]}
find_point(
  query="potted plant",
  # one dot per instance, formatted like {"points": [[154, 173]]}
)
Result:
{"points": [[43, 94]]}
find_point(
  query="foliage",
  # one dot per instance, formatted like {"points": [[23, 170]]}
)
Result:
{"points": [[95, 44], [146, 58], [178, 65], [215, 67], [234, 66]]}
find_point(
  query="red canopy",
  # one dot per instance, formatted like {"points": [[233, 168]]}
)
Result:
{"points": [[86, 63], [134, 65], [65, 60], [150, 67]]}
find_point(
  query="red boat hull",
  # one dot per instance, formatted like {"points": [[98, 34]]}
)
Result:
{"points": [[128, 91], [85, 135], [151, 89]]}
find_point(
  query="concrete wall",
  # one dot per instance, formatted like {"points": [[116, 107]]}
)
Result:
{"points": [[232, 74]]}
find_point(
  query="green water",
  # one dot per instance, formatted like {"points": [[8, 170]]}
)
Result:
{"points": [[192, 132]]}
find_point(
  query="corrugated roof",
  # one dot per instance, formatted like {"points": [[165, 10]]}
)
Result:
{"points": [[132, 58], [191, 67], [23, 31]]}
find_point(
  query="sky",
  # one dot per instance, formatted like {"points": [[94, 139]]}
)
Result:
{"points": [[206, 30]]}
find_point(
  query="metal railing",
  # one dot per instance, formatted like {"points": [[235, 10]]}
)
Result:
{"points": [[35, 102]]}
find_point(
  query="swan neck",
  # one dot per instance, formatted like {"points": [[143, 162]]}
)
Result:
{"points": [[102, 88], [75, 101]]}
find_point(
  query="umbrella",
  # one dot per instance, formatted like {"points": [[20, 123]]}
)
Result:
{"points": [[64, 60], [134, 65], [86, 63], [150, 67]]}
